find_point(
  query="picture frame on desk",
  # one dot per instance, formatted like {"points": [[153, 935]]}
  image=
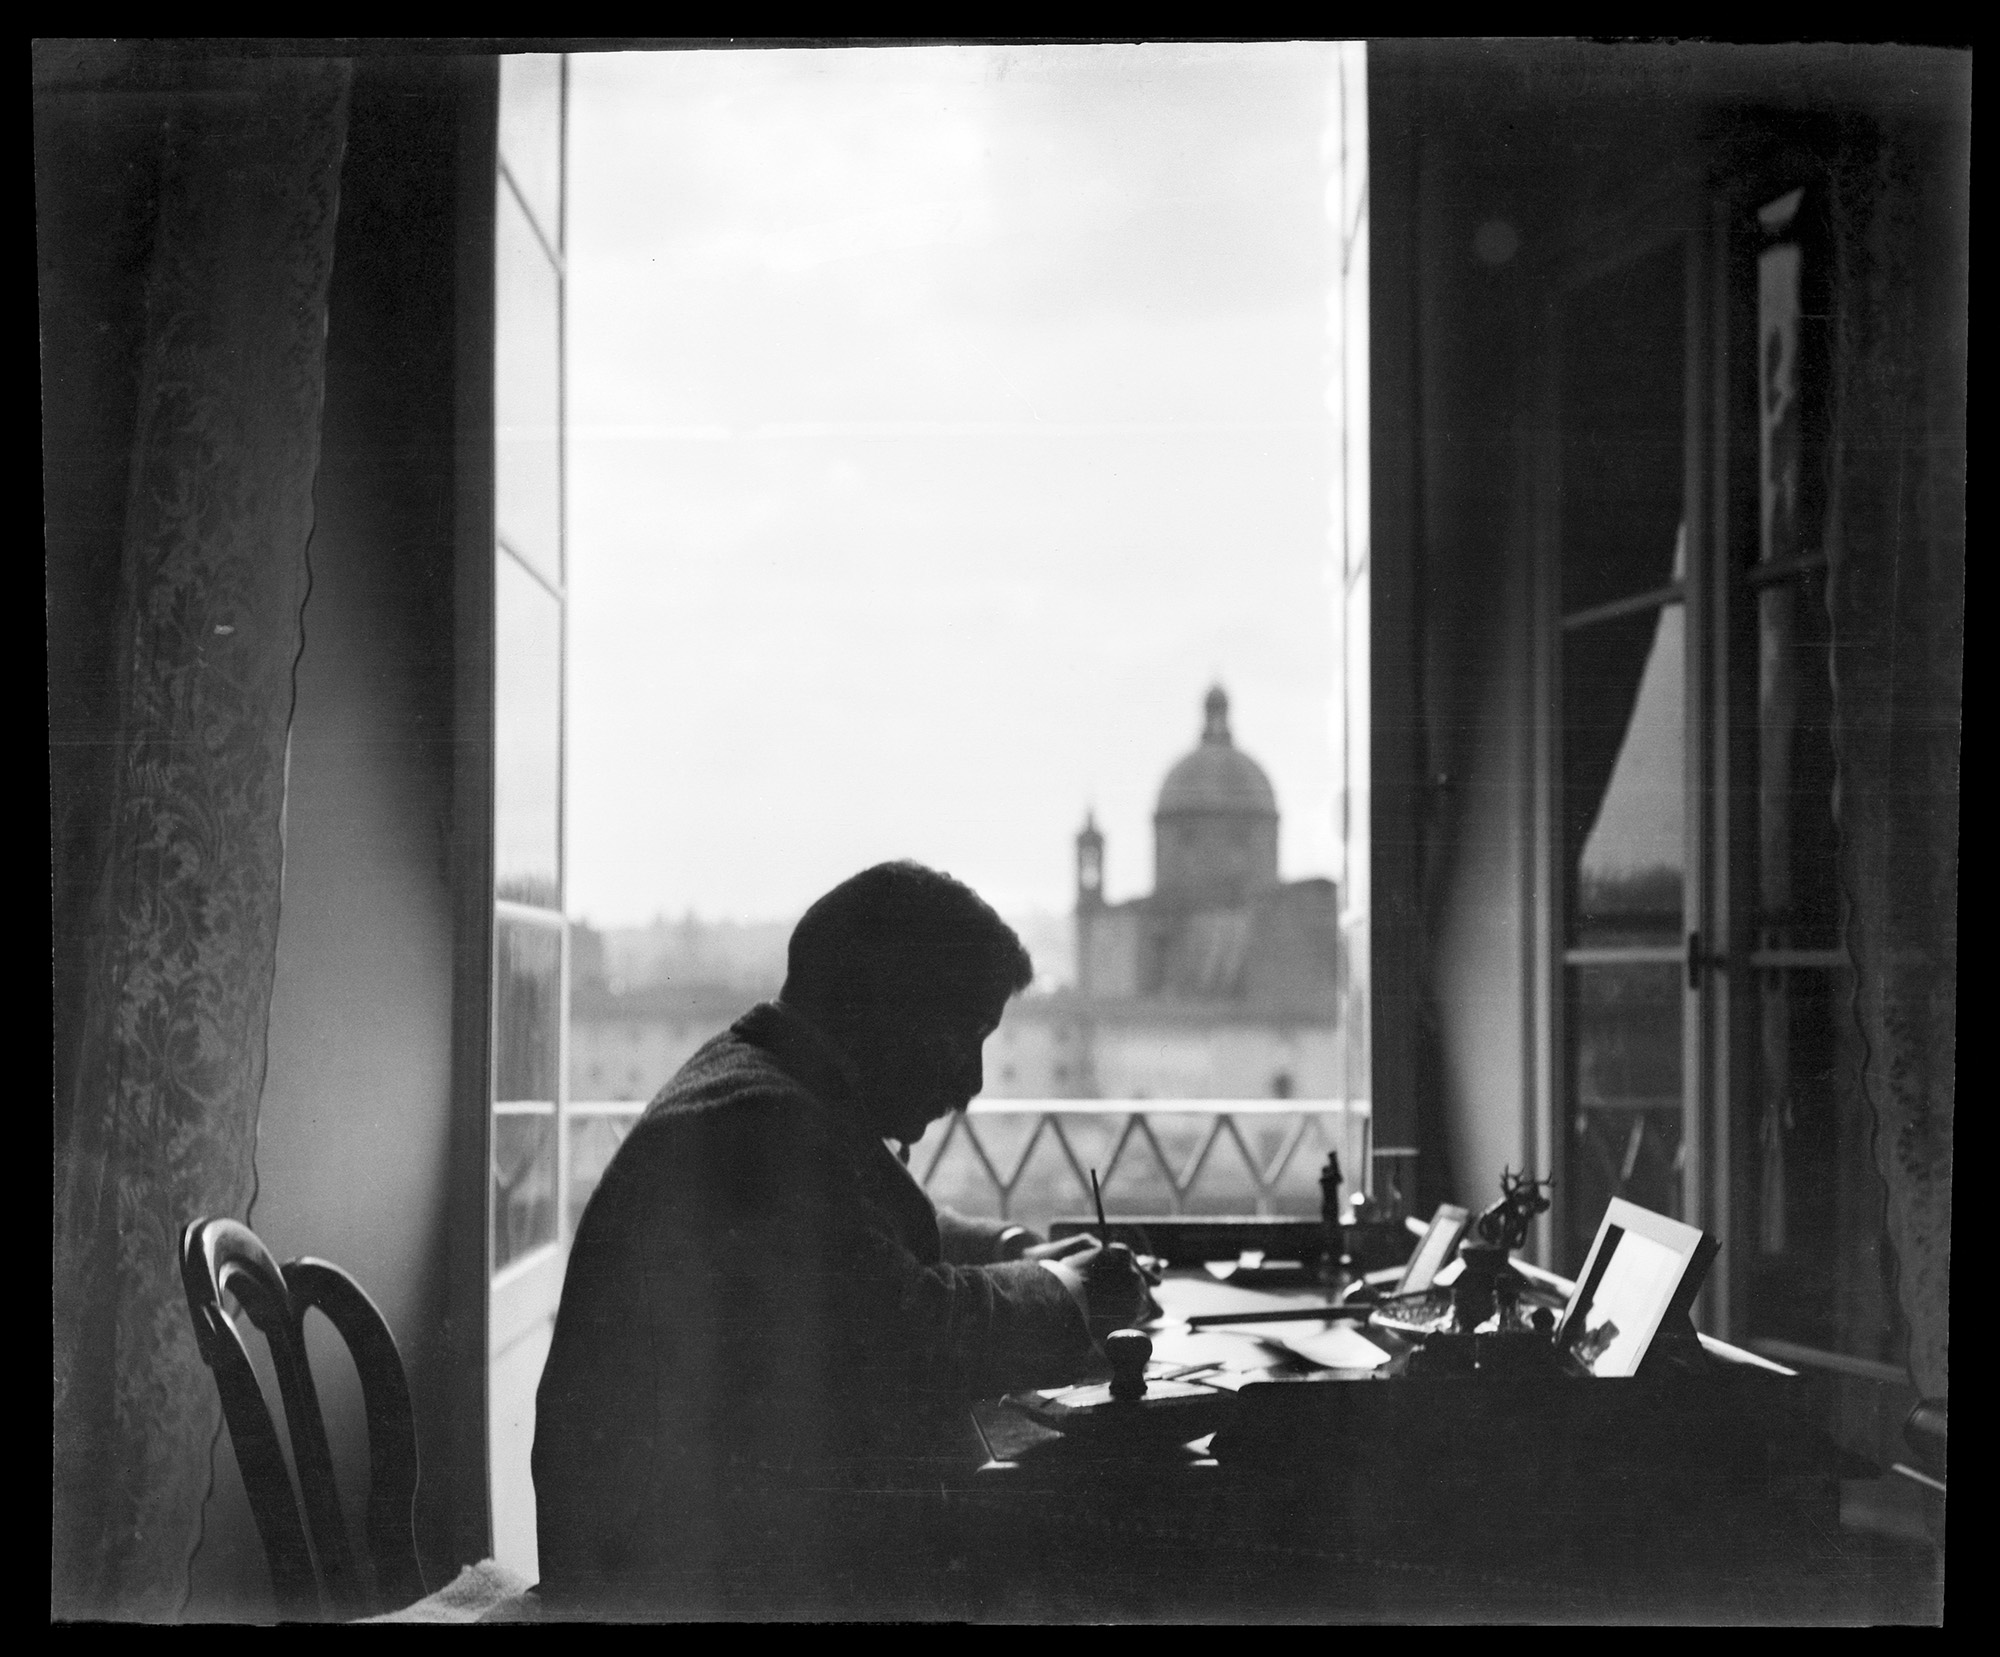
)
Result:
{"points": [[1639, 1279], [1440, 1241]]}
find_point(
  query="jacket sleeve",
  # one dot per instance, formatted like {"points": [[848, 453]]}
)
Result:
{"points": [[969, 1242], [814, 1259]]}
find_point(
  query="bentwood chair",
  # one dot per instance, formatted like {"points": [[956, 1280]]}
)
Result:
{"points": [[313, 1568]]}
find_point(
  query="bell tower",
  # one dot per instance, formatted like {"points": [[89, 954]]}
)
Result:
{"points": [[1090, 865], [1090, 917]]}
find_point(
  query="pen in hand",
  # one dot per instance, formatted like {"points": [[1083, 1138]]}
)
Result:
{"points": [[1104, 1230]]}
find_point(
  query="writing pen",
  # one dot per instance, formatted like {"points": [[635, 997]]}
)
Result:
{"points": [[1104, 1225], [1285, 1314]]}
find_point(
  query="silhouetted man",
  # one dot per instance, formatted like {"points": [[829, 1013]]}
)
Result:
{"points": [[767, 1331]]}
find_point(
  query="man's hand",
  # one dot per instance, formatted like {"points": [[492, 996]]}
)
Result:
{"points": [[1116, 1288], [1107, 1283], [1060, 1249], [1017, 1242]]}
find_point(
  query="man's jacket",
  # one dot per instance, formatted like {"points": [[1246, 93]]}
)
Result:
{"points": [[764, 1338]]}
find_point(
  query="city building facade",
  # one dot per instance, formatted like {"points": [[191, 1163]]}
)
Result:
{"points": [[1223, 982]]}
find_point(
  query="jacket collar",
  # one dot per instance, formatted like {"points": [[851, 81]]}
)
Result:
{"points": [[807, 1054]]}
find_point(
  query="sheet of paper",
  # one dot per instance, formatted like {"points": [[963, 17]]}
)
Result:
{"points": [[1337, 1345], [1226, 1347]]}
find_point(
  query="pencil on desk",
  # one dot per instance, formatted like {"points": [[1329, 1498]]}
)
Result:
{"points": [[1287, 1314]]}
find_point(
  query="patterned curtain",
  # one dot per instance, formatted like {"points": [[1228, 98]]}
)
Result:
{"points": [[1897, 544], [213, 580]]}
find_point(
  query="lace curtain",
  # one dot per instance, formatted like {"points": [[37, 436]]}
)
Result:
{"points": [[1897, 545], [183, 928]]}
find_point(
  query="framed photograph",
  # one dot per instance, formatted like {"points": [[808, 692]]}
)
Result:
{"points": [[1643, 1272], [1447, 1227]]}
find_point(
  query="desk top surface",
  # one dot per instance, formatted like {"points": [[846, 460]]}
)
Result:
{"points": [[1224, 1356]]}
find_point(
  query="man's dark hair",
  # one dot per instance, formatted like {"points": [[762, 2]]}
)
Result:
{"points": [[901, 937]]}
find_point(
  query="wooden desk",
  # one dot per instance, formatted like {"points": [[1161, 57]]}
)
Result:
{"points": [[1356, 1498]]}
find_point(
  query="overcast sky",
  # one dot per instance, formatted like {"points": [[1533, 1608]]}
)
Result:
{"points": [[942, 423]]}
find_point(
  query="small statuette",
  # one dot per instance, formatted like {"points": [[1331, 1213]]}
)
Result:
{"points": [[1335, 1268], [1505, 1225]]}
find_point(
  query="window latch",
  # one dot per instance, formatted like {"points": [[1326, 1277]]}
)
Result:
{"points": [[1697, 958]]}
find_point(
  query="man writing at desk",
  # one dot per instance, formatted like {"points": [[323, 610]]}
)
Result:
{"points": [[766, 1326]]}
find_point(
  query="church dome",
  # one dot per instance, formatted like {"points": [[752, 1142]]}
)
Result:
{"points": [[1218, 777]]}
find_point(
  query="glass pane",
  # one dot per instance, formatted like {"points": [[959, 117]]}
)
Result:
{"points": [[527, 393], [1624, 777], [593, 1141], [527, 738], [1792, 374], [1623, 423], [1625, 1092], [1357, 797], [1778, 401], [1798, 881], [524, 1184], [527, 1001], [531, 131]]}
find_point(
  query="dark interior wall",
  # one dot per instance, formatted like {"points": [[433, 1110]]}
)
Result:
{"points": [[1471, 610], [355, 1136], [1460, 186]]}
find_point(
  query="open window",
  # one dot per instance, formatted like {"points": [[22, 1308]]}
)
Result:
{"points": [[937, 429], [998, 499]]}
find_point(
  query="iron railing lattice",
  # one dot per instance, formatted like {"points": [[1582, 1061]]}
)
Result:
{"points": [[1198, 1128]]}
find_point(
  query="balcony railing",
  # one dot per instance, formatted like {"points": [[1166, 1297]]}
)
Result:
{"points": [[1030, 1159]]}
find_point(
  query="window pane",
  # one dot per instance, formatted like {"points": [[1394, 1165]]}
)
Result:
{"points": [[527, 395], [527, 738], [1624, 774], [531, 133], [527, 1003], [1778, 401], [1793, 309], [1623, 439], [594, 1139], [524, 1184], [1798, 881], [1625, 1092]]}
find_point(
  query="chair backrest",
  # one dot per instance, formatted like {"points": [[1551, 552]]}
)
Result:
{"points": [[312, 1562]]}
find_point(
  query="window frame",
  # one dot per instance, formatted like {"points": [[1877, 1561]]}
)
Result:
{"points": [[1721, 955], [1644, 229]]}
